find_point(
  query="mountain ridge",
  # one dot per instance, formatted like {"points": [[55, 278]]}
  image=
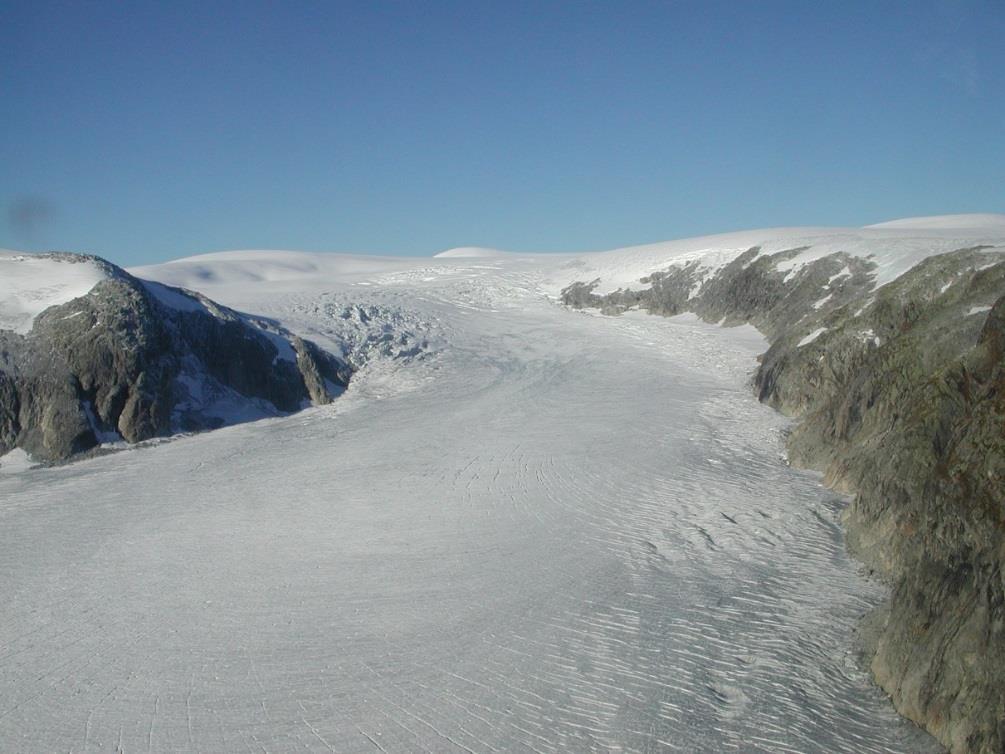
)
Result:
{"points": [[897, 382], [129, 360]]}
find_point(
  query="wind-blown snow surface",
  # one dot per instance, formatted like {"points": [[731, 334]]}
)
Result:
{"points": [[30, 284], [543, 531], [980, 222], [467, 252]]}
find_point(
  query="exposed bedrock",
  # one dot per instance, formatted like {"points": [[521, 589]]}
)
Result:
{"points": [[900, 393], [133, 360]]}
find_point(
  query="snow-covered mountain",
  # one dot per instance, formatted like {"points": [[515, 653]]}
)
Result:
{"points": [[528, 528], [894, 247], [93, 355]]}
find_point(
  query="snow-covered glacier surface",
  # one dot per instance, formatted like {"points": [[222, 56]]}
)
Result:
{"points": [[521, 528]]}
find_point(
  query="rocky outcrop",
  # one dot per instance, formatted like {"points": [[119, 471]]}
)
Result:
{"points": [[133, 360], [900, 393]]}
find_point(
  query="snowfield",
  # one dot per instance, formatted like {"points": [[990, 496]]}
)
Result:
{"points": [[896, 247], [31, 284], [521, 528]]}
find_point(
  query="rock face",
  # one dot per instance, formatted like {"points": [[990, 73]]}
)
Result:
{"points": [[133, 360], [901, 397]]}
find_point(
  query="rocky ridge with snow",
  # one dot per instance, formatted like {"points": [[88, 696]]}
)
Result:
{"points": [[894, 363], [96, 355]]}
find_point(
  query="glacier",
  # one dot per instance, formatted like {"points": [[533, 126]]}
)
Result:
{"points": [[521, 528]]}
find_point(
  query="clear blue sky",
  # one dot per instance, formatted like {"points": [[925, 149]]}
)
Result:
{"points": [[149, 131]]}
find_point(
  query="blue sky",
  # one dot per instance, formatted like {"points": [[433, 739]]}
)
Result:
{"points": [[150, 131]]}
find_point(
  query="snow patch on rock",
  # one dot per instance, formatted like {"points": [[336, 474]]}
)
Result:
{"points": [[812, 336], [15, 462]]}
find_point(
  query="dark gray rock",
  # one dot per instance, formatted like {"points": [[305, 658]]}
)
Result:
{"points": [[136, 360]]}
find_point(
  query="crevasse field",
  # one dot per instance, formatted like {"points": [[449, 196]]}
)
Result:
{"points": [[522, 528]]}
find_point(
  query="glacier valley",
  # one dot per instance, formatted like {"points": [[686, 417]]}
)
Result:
{"points": [[521, 528]]}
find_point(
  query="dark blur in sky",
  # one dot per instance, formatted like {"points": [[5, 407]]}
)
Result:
{"points": [[149, 131]]}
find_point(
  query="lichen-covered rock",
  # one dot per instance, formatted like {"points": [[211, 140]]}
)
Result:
{"points": [[900, 393], [10, 407], [40, 411], [135, 360], [941, 651]]}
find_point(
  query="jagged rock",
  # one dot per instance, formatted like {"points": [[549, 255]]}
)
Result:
{"points": [[136, 360], [322, 374]]}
